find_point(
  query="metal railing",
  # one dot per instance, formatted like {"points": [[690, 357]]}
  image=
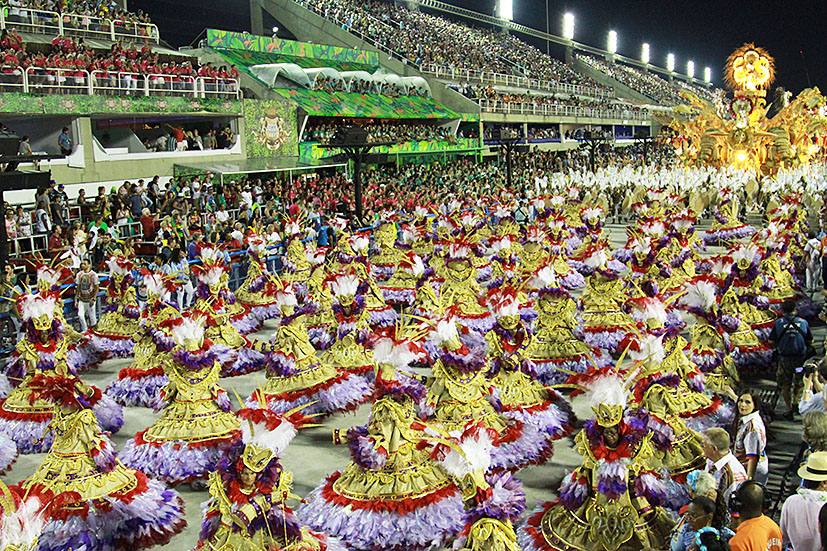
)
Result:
{"points": [[72, 81], [552, 110], [71, 24], [487, 77]]}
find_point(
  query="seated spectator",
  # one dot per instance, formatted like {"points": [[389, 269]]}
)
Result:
{"points": [[55, 243]]}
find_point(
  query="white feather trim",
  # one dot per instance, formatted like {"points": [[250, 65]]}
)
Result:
{"points": [[445, 331], [546, 277], [275, 440], [344, 285], [188, 330], [702, 294], [597, 259], [211, 276], [21, 528], [48, 274], [35, 306]]}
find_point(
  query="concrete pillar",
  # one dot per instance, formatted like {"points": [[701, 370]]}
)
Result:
{"points": [[569, 55], [256, 18]]}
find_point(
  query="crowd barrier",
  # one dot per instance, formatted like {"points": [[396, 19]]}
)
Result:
{"points": [[524, 108]]}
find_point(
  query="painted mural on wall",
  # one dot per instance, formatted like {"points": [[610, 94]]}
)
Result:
{"points": [[245, 41], [244, 59], [311, 150], [17, 102], [271, 128]]}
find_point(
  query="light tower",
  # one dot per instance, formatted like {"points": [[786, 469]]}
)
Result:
{"points": [[611, 45], [568, 34]]}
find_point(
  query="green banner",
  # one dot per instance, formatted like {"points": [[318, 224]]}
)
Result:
{"points": [[311, 150], [352, 104], [18, 102], [271, 128], [252, 43]]}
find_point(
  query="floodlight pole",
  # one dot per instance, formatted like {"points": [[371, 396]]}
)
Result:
{"points": [[508, 145]]}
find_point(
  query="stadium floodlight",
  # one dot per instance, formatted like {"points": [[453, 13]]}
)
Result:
{"points": [[644, 53], [611, 43], [506, 10], [670, 62], [690, 69], [275, 30], [568, 26], [707, 74]]}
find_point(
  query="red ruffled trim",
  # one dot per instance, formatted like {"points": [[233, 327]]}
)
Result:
{"points": [[133, 373], [23, 416], [141, 441], [399, 507], [111, 337], [532, 527], [512, 433], [708, 410], [475, 316]]}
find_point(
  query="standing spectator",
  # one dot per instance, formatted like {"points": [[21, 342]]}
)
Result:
{"points": [[755, 532], [793, 339], [65, 141], [86, 292], [60, 205], [814, 383], [195, 246], [42, 220], [23, 220], [135, 202], [721, 463], [751, 437], [25, 148], [149, 223], [800, 513]]}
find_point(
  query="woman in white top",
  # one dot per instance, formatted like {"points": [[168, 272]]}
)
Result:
{"points": [[751, 438]]}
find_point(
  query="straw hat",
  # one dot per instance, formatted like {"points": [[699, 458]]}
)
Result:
{"points": [[816, 467]]}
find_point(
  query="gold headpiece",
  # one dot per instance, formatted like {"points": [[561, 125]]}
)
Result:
{"points": [[608, 415], [256, 458]]}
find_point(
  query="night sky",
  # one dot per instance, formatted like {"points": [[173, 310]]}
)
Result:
{"points": [[703, 31]]}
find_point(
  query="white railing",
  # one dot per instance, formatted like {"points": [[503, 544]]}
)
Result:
{"points": [[52, 80], [488, 77], [70, 24], [552, 110]]}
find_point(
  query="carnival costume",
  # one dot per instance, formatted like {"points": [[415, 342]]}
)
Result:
{"points": [[349, 351], [113, 333], [709, 347], [392, 496], [296, 377], [255, 293], [605, 324], [296, 266], [237, 354], [105, 505], [557, 349], [247, 509], [543, 414], [385, 255], [24, 418], [82, 353], [400, 288], [493, 502], [322, 318], [727, 226], [140, 384], [614, 500], [461, 288], [534, 257], [184, 443], [242, 320]]}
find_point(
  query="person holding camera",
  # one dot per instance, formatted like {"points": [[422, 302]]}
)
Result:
{"points": [[812, 396], [793, 345]]}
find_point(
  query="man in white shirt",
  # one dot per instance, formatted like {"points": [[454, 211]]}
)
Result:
{"points": [[812, 397], [222, 215], [729, 473]]}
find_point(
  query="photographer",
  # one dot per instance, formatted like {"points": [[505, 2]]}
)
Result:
{"points": [[812, 398]]}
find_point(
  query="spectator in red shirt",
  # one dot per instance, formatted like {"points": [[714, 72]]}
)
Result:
{"points": [[56, 241]]}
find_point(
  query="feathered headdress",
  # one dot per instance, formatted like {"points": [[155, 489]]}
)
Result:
{"points": [[535, 234], [158, 287], [344, 284], [286, 296], [38, 309], [211, 255], [503, 301], [316, 255], [267, 434], [460, 247], [608, 397], [544, 278], [592, 213], [119, 265], [652, 310], [359, 242], [48, 277], [255, 243], [210, 276], [412, 262], [468, 453], [292, 228], [188, 331], [399, 353], [595, 257], [500, 243], [338, 224], [701, 293], [744, 256]]}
